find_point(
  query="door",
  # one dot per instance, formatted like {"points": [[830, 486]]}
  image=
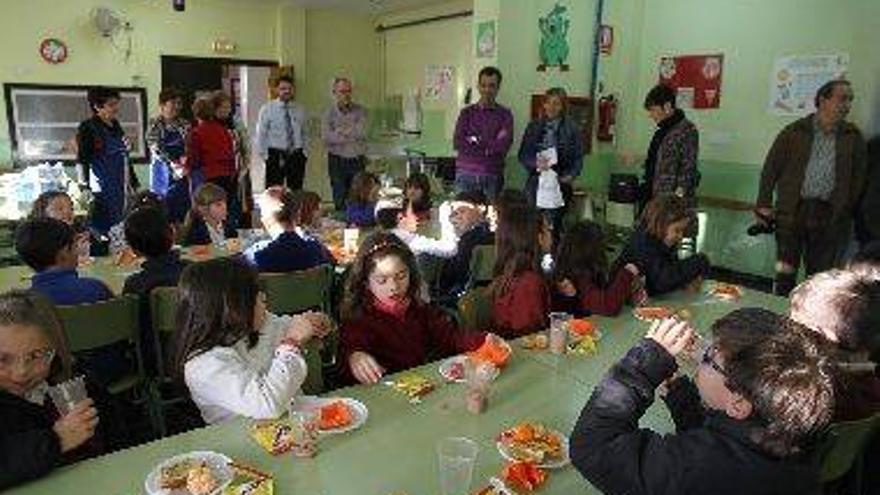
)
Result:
{"points": [[190, 75]]}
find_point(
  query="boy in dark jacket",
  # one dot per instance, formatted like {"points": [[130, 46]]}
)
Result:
{"points": [[764, 389], [652, 248], [149, 234], [468, 218]]}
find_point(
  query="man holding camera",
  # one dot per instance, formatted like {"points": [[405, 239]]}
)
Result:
{"points": [[816, 167]]}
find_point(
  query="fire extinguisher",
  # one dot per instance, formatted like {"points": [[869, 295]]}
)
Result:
{"points": [[607, 118]]}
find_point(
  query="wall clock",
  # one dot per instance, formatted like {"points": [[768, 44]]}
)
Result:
{"points": [[53, 50]]}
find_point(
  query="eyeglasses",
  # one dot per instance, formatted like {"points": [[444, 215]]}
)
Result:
{"points": [[39, 357], [708, 359]]}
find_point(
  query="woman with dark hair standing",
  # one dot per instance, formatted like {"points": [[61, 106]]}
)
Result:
{"points": [[554, 130], [102, 152], [166, 136], [671, 163]]}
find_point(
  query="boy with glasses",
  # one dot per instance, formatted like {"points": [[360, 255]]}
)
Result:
{"points": [[763, 389]]}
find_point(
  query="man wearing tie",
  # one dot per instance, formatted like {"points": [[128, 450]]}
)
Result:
{"points": [[281, 137]]}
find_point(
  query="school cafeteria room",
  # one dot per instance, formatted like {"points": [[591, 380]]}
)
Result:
{"points": [[466, 247]]}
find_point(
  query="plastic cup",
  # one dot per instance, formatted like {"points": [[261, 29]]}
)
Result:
{"points": [[66, 395], [457, 456], [559, 328], [350, 240], [478, 379], [305, 423]]}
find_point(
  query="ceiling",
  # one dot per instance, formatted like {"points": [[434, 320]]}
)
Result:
{"points": [[374, 6]]}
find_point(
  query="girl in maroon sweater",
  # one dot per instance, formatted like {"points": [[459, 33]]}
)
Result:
{"points": [[582, 285], [386, 326], [520, 299]]}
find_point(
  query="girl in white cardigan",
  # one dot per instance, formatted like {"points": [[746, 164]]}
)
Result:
{"points": [[236, 358]]}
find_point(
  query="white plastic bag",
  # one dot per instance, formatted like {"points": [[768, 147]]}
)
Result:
{"points": [[549, 194]]}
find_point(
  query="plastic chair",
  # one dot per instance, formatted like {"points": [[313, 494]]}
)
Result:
{"points": [[295, 292], [841, 449], [163, 309], [89, 326], [475, 309], [482, 265]]}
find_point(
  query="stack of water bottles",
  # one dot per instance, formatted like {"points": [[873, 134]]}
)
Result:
{"points": [[19, 190]]}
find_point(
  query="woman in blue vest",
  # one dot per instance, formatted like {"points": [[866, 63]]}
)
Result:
{"points": [[102, 151], [166, 137]]}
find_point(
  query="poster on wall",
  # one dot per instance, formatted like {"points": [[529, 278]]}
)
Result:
{"points": [[439, 81], [695, 78], [485, 41], [795, 80]]}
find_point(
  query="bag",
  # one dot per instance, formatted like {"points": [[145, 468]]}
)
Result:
{"points": [[549, 194]]}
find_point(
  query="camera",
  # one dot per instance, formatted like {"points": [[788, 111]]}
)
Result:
{"points": [[766, 225]]}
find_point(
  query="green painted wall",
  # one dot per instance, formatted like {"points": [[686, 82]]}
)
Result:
{"points": [[735, 137], [518, 58], [751, 34], [157, 30], [337, 44]]}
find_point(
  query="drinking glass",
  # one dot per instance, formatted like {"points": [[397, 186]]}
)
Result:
{"points": [[559, 328], [456, 456], [66, 395]]}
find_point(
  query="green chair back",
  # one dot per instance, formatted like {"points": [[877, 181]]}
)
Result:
{"points": [[314, 384], [163, 309], [843, 445], [482, 264], [294, 292], [87, 326], [475, 309]]}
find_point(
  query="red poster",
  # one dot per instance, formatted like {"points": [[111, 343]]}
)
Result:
{"points": [[696, 78]]}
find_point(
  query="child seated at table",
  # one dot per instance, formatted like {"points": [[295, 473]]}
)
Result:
{"points": [[396, 216], [520, 298], [236, 358], [34, 437], [206, 221], [286, 250], [583, 284], [308, 213], [468, 218], [418, 195], [764, 390], [53, 204], [150, 235], [47, 246], [361, 207], [118, 242], [386, 324], [652, 248], [58, 205], [844, 307]]}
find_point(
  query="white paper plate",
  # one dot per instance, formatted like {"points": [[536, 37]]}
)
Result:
{"points": [[448, 365], [555, 464], [359, 410], [218, 463]]}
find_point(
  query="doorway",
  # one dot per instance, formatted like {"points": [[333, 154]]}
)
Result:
{"points": [[245, 81]]}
